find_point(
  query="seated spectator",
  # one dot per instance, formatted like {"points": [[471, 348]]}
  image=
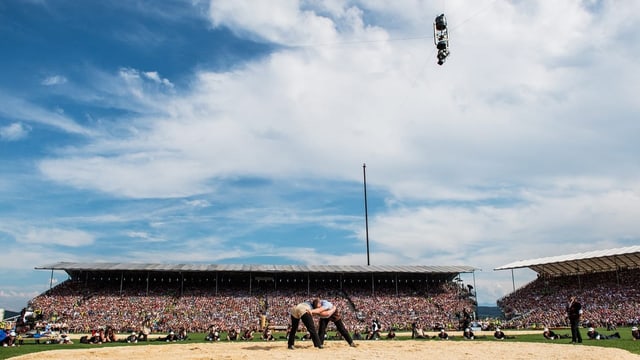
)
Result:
{"points": [[109, 335], [419, 333], [391, 334], [267, 335], [182, 334], [133, 338], [635, 333], [143, 335], [468, 334], [232, 334], [64, 339], [443, 335], [374, 331], [102, 334], [357, 335], [499, 334], [247, 335], [7, 339], [95, 338], [213, 335], [171, 337]]}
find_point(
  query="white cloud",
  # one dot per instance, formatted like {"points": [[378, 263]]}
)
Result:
{"points": [[285, 23], [16, 108], [54, 80], [138, 234], [522, 145], [14, 132], [53, 237], [154, 76], [198, 203]]}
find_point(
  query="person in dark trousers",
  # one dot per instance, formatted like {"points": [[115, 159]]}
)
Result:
{"points": [[303, 312], [328, 312], [574, 310]]}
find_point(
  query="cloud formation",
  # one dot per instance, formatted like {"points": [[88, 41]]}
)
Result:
{"points": [[522, 145]]}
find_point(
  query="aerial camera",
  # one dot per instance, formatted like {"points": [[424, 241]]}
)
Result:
{"points": [[441, 37]]}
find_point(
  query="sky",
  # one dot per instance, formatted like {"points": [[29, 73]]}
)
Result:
{"points": [[235, 132]]}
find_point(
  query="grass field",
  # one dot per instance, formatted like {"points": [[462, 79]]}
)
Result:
{"points": [[625, 343]]}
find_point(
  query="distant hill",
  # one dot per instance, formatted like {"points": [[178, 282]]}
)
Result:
{"points": [[489, 311]]}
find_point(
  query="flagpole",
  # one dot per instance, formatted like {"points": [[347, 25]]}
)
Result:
{"points": [[366, 213]]}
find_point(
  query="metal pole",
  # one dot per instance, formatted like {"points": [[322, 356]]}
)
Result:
{"points": [[366, 211], [51, 280], [513, 281]]}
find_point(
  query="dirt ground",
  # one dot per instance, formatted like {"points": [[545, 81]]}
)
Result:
{"points": [[339, 350]]}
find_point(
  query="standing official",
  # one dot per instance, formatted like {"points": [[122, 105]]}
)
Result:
{"points": [[574, 310]]}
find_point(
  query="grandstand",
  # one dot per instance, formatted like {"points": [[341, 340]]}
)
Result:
{"points": [[197, 296], [605, 281]]}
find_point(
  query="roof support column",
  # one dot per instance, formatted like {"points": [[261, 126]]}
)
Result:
{"points": [[397, 294], [51, 280], [513, 281], [475, 292], [373, 286], [121, 281], [147, 283]]}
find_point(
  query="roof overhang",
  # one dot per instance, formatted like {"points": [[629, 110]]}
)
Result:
{"points": [[75, 266], [581, 263]]}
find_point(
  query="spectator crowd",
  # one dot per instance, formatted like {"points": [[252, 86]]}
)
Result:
{"points": [[84, 307], [609, 299]]}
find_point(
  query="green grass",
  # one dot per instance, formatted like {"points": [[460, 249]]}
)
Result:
{"points": [[625, 343]]}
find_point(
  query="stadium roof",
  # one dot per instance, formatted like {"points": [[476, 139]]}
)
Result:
{"points": [[74, 266], [581, 263]]}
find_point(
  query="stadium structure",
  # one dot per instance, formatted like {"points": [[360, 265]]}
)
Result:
{"points": [[198, 296], [580, 263], [605, 281]]}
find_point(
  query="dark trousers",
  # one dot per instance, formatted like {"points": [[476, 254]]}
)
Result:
{"points": [[337, 320], [575, 330], [307, 320]]}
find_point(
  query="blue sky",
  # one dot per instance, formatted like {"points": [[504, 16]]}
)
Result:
{"points": [[235, 132]]}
